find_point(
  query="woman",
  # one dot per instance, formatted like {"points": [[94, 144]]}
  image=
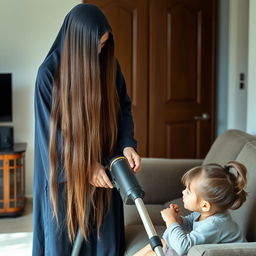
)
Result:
{"points": [[82, 118]]}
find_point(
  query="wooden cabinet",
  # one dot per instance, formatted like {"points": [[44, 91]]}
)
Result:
{"points": [[12, 180], [166, 49]]}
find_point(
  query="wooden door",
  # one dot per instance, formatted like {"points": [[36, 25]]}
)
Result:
{"points": [[181, 78], [129, 22]]}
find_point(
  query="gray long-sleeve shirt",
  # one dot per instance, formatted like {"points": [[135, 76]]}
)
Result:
{"points": [[218, 228]]}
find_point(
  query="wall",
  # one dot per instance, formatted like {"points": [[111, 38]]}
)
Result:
{"points": [[238, 61], [27, 31], [236, 53], [222, 66], [251, 106]]}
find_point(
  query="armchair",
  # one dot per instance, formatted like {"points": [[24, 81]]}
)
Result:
{"points": [[161, 180]]}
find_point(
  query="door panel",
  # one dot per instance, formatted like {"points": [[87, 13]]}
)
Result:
{"points": [[180, 134], [129, 22], [182, 77], [184, 49], [167, 53]]}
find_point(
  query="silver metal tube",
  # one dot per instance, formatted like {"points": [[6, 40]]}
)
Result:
{"points": [[159, 251], [77, 244], [147, 223]]}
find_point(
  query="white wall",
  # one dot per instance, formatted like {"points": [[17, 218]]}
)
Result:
{"points": [[222, 66], [237, 51], [27, 31], [251, 106], [238, 61]]}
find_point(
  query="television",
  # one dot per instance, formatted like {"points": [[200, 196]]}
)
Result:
{"points": [[5, 97]]}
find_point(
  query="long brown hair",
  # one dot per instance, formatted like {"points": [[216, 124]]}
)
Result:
{"points": [[220, 186], [84, 111]]}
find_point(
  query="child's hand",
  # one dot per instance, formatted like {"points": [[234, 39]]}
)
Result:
{"points": [[175, 207], [171, 215]]}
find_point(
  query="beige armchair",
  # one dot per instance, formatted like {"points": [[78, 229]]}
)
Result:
{"points": [[160, 178]]}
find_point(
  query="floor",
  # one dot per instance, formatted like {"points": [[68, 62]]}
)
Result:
{"points": [[16, 233], [22, 223]]}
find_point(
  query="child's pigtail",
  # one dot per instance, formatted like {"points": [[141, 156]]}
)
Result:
{"points": [[239, 182]]}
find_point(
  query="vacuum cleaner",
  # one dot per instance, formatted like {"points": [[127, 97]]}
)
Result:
{"points": [[123, 178]]}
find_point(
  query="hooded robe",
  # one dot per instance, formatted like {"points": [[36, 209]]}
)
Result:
{"points": [[50, 238]]}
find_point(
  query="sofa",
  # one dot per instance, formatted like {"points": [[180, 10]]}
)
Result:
{"points": [[161, 181]]}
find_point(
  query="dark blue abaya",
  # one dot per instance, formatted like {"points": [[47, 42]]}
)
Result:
{"points": [[49, 238]]}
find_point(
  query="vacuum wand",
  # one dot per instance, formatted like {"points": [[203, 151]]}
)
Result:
{"points": [[123, 178], [131, 192]]}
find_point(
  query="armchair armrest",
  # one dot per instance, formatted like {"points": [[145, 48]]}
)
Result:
{"points": [[231, 249], [161, 178]]}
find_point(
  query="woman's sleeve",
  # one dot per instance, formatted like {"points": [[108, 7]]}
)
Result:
{"points": [[42, 106], [125, 137], [42, 103]]}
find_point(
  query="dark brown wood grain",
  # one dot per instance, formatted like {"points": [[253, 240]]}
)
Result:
{"points": [[166, 49]]}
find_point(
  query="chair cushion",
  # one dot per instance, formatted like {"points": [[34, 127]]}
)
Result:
{"points": [[136, 237], [132, 216], [245, 215], [234, 249], [161, 178], [227, 146]]}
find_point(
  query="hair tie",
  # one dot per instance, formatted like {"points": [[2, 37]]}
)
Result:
{"points": [[226, 168]]}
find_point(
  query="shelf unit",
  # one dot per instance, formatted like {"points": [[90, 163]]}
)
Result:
{"points": [[12, 180]]}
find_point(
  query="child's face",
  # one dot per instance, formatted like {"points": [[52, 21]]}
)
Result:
{"points": [[190, 198]]}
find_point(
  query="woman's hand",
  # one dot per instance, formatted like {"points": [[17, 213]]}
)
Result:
{"points": [[133, 158], [171, 215], [99, 177]]}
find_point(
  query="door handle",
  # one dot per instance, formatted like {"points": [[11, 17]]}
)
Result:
{"points": [[204, 116]]}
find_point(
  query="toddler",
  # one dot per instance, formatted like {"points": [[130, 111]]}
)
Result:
{"points": [[210, 190]]}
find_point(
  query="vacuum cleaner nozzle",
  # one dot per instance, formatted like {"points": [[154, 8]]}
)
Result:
{"points": [[124, 180]]}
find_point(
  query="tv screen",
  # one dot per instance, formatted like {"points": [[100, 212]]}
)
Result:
{"points": [[5, 97]]}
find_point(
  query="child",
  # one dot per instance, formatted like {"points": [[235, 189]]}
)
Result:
{"points": [[210, 191]]}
